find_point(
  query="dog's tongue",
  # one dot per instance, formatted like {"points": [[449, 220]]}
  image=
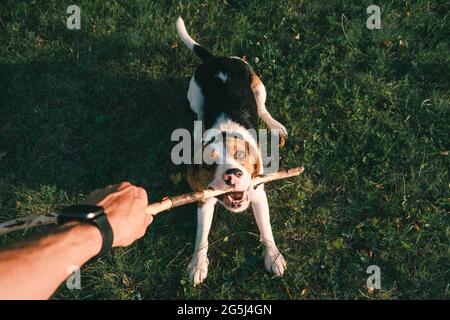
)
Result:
{"points": [[236, 195]]}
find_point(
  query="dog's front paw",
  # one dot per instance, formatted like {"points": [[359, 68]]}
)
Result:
{"points": [[274, 261], [198, 269]]}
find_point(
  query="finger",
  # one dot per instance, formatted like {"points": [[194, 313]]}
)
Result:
{"points": [[106, 191], [121, 186], [148, 219], [94, 197], [100, 194], [141, 194]]}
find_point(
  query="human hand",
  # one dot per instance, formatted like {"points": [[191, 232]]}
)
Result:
{"points": [[124, 205]]}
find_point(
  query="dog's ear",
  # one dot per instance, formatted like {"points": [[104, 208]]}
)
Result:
{"points": [[256, 160], [259, 169], [199, 177]]}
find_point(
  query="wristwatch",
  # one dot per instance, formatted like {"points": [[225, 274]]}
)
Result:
{"points": [[93, 215]]}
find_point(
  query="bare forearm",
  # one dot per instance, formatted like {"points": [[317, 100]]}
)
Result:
{"points": [[34, 269]]}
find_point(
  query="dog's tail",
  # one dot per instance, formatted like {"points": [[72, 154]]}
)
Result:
{"points": [[204, 54]]}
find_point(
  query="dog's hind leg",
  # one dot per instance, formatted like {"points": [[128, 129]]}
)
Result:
{"points": [[198, 267], [259, 90], [196, 99]]}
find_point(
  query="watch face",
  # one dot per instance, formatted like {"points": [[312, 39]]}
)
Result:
{"points": [[80, 212]]}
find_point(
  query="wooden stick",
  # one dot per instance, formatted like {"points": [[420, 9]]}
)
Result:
{"points": [[153, 208], [172, 202], [26, 223]]}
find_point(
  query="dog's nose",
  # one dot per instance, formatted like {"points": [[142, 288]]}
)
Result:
{"points": [[232, 176]]}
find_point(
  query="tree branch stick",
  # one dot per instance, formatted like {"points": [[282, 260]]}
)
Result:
{"points": [[153, 208], [172, 202]]}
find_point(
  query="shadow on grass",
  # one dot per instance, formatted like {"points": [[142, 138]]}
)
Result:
{"points": [[80, 129], [75, 125]]}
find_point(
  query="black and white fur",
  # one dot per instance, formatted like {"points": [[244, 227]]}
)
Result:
{"points": [[221, 95]]}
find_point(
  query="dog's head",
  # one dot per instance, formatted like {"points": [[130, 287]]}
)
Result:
{"points": [[230, 161]]}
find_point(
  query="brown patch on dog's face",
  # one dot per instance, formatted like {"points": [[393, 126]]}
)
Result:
{"points": [[200, 176], [244, 154], [232, 152]]}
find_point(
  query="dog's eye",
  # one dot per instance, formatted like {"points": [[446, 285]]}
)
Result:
{"points": [[240, 155]]}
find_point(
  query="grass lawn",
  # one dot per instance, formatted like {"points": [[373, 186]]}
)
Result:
{"points": [[367, 113]]}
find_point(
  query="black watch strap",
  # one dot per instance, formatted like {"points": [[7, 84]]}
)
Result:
{"points": [[107, 235], [93, 215]]}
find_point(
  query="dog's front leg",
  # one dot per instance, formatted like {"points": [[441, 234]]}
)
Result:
{"points": [[273, 260], [198, 267]]}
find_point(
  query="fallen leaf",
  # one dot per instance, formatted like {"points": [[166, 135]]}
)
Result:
{"points": [[378, 186], [175, 178], [405, 245], [40, 41], [289, 293]]}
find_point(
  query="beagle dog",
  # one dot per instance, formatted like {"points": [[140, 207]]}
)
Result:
{"points": [[228, 97]]}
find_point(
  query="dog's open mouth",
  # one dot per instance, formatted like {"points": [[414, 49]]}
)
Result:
{"points": [[234, 199]]}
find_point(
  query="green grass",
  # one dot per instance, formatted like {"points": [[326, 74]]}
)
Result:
{"points": [[367, 113]]}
